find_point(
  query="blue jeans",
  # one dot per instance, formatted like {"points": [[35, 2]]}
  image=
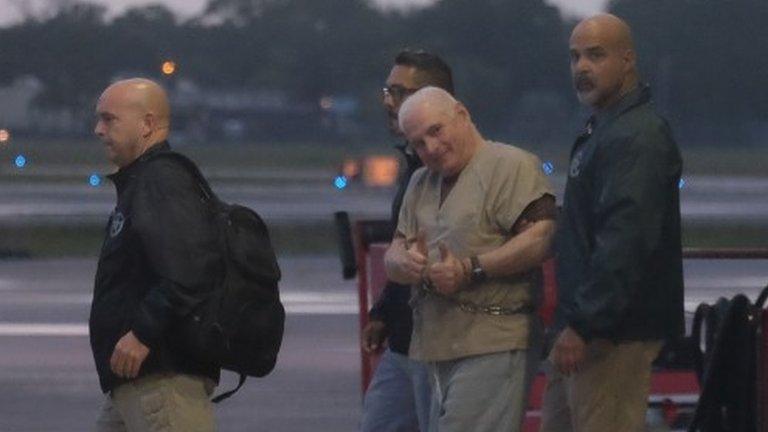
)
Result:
{"points": [[399, 396]]}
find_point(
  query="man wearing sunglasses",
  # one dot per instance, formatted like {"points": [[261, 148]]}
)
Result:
{"points": [[399, 395]]}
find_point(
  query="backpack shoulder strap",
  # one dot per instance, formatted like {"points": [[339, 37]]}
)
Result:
{"points": [[228, 394], [699, 317], [760, 302], [191, 166]]}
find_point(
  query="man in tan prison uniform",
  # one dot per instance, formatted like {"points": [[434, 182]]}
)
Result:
{"points": [[475, 225]]}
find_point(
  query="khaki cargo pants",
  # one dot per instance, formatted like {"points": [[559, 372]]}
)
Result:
{"points": [[608, 394], [159, 403]]}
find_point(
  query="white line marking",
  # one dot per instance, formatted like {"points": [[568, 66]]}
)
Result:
{"points": [[678, 398], [321, 309], [296, 299], [40, 329], [76, 329], [725, 283]]}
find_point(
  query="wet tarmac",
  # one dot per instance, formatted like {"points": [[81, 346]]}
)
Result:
{"points": [[48, 380]]}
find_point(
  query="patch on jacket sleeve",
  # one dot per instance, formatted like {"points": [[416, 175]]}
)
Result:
{"points": [[118, 221], [575, 168]]}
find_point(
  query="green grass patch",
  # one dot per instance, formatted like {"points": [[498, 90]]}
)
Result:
{"points": [[716, 236], [303, 238], [89, 154], [214, 155], [51, 241]]}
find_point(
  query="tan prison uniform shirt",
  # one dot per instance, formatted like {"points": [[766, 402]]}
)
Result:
{"points": [[476, 217]]}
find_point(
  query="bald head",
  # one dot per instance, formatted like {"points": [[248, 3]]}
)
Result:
{"points": [[612, 30], [143, 95], [603, 61], [133, 115], [440, 130]]}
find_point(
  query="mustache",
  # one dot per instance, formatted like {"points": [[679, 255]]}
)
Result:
{"points": [[582, 81]]}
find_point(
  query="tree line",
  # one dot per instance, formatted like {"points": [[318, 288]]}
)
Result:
{"points": [[704, 58]]}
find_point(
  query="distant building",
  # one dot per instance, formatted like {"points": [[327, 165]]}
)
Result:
{"points": [[19, 113], [199, 113], [16, 106], [257, 114]]}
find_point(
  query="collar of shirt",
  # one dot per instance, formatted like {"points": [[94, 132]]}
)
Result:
{"points": [[123, 174], [640, 95]]}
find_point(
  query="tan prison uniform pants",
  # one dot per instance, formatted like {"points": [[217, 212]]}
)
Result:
{"points": [[608, 394], [159, 403]]}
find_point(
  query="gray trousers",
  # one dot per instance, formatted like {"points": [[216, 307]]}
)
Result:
{"points": [[484, 393]]}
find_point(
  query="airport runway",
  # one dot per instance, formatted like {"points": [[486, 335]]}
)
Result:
{"points": [[47, 376], [46, 373], [311, 196], [48, 382]]}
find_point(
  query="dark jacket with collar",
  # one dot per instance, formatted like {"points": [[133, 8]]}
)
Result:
{"points": [[392, 306], [158, 259], [619, 249]]}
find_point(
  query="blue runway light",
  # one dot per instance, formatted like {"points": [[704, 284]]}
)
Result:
{"points": [[20, 161], [340, 182], [681, 184], [548, 168], [94, 180]]}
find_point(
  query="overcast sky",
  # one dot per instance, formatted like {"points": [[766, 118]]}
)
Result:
{"points": [[9, 8]]}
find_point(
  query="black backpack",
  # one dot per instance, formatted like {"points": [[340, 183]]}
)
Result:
{"points": [[239, 326], [728, 365]]}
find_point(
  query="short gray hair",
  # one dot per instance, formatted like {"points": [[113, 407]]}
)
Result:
{"points": [[433, 97]]}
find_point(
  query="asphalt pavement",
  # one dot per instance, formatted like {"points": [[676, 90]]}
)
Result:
{"points": [[48, 380], [49, 383]]}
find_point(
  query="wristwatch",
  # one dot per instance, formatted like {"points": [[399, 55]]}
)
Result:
{"points": [[476, 274]]}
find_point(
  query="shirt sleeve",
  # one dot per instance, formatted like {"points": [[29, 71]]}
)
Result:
{"points": [[179, 241], [519, 181], [384, 305], [543, 208]]}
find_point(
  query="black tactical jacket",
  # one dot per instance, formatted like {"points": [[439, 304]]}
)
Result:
{"points": [[158, 259], [619, 249], [392, 306]]}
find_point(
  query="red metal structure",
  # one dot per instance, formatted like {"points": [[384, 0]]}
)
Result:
{"points": [[762, 373], [674, 392]]}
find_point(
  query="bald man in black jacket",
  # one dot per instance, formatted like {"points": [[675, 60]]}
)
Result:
{"points": [[158, 260]]}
